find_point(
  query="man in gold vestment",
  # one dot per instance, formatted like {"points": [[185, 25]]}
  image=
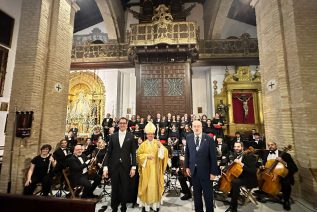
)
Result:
{"points": [[152, 159]]}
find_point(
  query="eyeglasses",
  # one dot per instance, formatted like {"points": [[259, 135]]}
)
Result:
{"points": [[122, 123]]}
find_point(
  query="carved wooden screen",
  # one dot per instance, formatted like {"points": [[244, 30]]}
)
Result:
{"points": [[3, 67], [163, 88]]}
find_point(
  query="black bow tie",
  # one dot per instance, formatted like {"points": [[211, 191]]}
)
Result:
{"points": [[272, 152]]}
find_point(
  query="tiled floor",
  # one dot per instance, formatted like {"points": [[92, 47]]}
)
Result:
{"points": [[172, 203]]}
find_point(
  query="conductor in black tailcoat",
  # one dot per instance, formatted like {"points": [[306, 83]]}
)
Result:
{"points": [[120, 164]]}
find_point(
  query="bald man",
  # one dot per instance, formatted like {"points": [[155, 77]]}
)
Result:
{"points": [[201, 165]]}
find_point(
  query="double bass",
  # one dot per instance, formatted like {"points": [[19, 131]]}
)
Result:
{"points": [[231, 172], [271, 175]]}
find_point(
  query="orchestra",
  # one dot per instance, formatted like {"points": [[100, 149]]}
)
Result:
{"points": [[242, 160]]}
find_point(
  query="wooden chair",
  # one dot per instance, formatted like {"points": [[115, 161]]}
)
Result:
{"points": [[247, 193], [73, 191]]}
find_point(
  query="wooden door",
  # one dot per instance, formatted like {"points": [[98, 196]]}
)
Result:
{"points": [[163, 88]]}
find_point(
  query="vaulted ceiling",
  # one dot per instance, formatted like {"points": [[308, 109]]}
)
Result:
{"points": [[90, 14]]}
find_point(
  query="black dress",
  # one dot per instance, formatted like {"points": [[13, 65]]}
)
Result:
{"points": [[42, 173]]}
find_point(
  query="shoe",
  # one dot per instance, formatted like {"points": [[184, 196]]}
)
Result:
{"points": [[231, 209], [143, 209], [287, 205], [186, 197]]}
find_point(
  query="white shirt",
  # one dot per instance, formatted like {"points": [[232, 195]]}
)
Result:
{"points": [[272, 156], [82, 162], [122, 137]]}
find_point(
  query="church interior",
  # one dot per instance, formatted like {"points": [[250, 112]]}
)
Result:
{"points": [[241, 67]]}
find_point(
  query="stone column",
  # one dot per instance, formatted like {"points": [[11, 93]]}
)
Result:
{"points": [[42, 65], [229, 97], [287, 33]]}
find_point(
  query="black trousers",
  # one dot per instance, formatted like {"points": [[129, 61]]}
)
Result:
{"points": [[286, 188], [235, 189], [182, 181], [119, 188], [89, 188], [202, 185], [46, 185]]}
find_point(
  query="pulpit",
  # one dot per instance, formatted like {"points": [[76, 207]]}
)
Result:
{"points": [[240, 101]]}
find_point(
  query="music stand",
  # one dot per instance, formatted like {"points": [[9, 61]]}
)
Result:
{"points": [[104, 192], [171, 181]]}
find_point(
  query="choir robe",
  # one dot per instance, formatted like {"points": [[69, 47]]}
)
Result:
{"points": [[151, 184]]}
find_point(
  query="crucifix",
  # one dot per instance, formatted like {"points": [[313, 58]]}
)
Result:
{"points": [[244, 99]]}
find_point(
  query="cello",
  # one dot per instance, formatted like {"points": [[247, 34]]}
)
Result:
{"points": [[231, 172], [270, 177]]}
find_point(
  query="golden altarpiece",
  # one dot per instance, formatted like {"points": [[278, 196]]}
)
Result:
{"points": [[240, 101], [86, 101]]}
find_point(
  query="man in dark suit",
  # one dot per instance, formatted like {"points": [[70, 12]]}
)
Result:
{"points": [[222, 152], [247, 178], [60, 155], [237, 138], [78, 166], [106, 124], [286, 159], [257, 143], [120, 164], [201, 165]]}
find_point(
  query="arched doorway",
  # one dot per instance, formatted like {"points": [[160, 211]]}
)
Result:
{"points": [[86, 101]]}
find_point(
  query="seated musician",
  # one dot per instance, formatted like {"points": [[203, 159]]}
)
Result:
{"points": [[78, 164], [222, 152], [89, 147], [60, 155], [98, 156], [247, 178], [182, 176], [40, 171], [273, 154], [257, 143]]}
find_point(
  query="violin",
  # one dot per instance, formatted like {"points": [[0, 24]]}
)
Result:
{"points": [[93, 166]]}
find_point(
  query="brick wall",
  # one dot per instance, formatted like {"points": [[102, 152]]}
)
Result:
{"points": [[287, 46], [42, 58]]}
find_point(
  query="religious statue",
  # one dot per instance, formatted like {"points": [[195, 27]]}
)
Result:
{"points": [[244, 99], [223, 110]]}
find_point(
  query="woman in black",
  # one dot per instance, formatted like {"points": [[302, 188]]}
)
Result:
{"points": [[186, 132], [98, 156], [209, 128], [96, 135], [138, 133], [163, 136], [40, 171], [218, 123]]}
